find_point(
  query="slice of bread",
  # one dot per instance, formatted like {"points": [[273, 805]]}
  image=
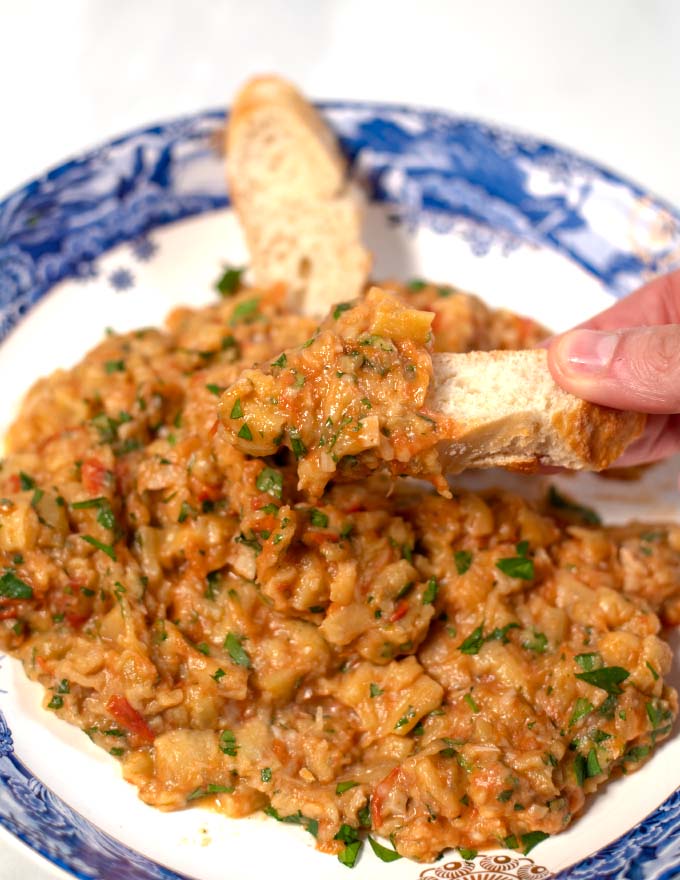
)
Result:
{"points": [[288, 183], [508, 412]]}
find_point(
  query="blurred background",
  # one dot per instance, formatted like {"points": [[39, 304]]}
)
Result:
{"points": [[599, 76]]}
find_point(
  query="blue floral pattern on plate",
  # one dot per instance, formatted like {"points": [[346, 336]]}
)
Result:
{"points": [[491, 186]]}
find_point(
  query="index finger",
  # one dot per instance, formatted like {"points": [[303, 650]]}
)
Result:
{"points": [[658, 302]]}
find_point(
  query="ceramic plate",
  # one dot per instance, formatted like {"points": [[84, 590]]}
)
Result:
{"points": [[119, 236]]}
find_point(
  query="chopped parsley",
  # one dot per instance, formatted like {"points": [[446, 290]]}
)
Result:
{"points": [[114, 367], [582, 707], [416, 285], [590, 661], [608, 678], [462, 560], [270, 481], [469, 701], [236, 410], [382, 852], [500, 633], [26, 482], [375, 690], [473, 643], [218, 674], [266, 774], [105, 548], [342, 787], [339, 309], [209, 789], [185, 511], [228, 743], [245, 433], [404, 720], [467, 854], [538, 642], [12, 587], [592, 764], [532, 839], [430, 592], [517, 567], [230, 281], [296, 444], [349, 836], [56, 702], [245, 311], [318, 519], [577, 511], [312, 825], [637, 753], [214, 389], [280, 361], [235, 649]]}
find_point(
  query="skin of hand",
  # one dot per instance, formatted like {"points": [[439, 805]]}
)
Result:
{"points": [[628, 357]]}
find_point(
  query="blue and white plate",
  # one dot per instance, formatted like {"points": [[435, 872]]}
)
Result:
{"points": [[122, 234]]}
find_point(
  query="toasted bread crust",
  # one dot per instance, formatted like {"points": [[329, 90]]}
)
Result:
{"points": [[509, 412], [596, 434]]}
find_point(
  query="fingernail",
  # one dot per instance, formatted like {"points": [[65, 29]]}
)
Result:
{"points": [[587, 351]]}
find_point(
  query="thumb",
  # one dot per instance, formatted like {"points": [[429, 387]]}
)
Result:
{"points": [[637, 369]]}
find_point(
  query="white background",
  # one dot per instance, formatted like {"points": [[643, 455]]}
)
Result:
{"points": [[600, 76]]}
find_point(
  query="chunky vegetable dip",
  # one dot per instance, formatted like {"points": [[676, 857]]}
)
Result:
{"points": [[346, 650]]}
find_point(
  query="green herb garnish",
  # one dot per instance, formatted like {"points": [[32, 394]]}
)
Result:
{"points": [[608, 678], [582, 707], [209, 789], [105, 548], [235, 649], [318, 519], [584, 514], [230, 281], [517, 567], [538, 642], [473, 643], [342, 787], [430, 592], [270, 481], [382, 852], [12, 587], [340, 308], [467, 854], [228, 743], [463, 560]]}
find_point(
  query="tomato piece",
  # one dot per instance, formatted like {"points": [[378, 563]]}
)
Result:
{"points": [[382, 790], [319, 538], [209, 493], [400, 610], [93, 475], [130, 718], [7, 613]]}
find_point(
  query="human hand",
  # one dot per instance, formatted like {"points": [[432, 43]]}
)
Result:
{"points": [[628, 357]]}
